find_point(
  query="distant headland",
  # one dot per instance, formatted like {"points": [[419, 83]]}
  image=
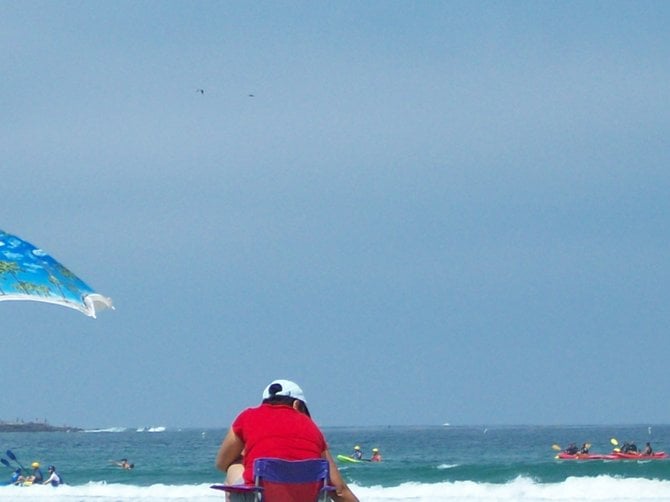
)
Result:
{"points": [[21, 426]]}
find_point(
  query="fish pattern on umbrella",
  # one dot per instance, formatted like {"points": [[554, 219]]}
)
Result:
{"points": [[29, 273]]}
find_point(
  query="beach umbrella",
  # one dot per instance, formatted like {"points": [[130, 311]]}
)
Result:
{"points": [[28, 273]]}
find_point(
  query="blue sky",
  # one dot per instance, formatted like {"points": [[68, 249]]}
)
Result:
{"points": [[423, 212]]}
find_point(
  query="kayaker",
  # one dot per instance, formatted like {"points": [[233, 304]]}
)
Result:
{"points": [[647, 449], [629, 447], [54, 478], [358, 454], [572, 449], [36, 477], [376, 456], [584, 449], [16, 477]]}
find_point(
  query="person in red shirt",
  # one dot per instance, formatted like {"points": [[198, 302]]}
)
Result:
{"points": [[281, 427]]}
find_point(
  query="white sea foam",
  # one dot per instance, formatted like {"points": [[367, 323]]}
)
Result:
{"points": [[447, 466], [151, 429], [110, 429], [601, 488]]}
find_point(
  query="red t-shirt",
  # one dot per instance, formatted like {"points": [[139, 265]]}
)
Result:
{"points": [[277, 431]]}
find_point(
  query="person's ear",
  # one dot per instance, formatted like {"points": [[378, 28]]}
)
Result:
{"points": [[300, 406]]}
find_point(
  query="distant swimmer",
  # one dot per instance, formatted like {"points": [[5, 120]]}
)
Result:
{"points": [[124, 464], [201, 91]]}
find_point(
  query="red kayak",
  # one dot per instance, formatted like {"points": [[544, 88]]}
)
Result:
{"points": [[640, 456], [584, 456]]}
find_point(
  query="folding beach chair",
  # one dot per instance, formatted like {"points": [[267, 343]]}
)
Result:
{"points": [[278, 480]]}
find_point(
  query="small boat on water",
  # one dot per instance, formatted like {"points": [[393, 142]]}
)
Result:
{"points": [[615, 455], [658, 455], [585, 456]]}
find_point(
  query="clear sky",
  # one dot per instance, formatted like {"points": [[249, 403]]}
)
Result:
{"points": [[422, 212]]}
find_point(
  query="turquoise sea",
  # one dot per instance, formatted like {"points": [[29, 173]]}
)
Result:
{"points": [[436, 463]]}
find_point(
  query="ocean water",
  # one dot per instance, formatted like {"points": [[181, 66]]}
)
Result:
{"points": [[437, 463]]}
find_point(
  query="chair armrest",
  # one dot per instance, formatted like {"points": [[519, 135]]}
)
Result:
{"points": [[238, 488]]}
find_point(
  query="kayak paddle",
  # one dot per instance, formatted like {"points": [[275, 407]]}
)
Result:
{"points": [[13, 457], [615, 443], [6, 462]]}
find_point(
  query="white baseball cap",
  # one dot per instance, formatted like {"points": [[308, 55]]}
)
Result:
{"points": [[284, 388]]}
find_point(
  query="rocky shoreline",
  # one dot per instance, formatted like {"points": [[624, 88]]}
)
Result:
{"points": [[35, 427]]}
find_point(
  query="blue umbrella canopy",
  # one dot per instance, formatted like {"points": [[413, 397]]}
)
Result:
{"points": [[28, 273]]}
